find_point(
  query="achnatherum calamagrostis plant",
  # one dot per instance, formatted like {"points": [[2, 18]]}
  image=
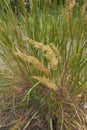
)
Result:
{"points": [[65, 103]]}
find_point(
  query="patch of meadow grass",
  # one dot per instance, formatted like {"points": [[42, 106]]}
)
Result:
{"points": [[46, 51]]}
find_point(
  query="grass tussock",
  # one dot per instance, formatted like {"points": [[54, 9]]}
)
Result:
{"points": [[44, 52]]}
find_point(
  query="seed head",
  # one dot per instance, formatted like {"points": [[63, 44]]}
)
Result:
{"points": [[34, 61], [50, 55], [45, 81]]}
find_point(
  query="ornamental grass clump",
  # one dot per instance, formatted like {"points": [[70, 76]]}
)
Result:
{"points": [[45, 52]]}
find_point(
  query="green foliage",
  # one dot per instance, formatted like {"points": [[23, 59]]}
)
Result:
{"points": [[58, 88]]}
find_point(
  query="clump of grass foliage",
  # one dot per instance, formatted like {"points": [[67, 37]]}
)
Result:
{"points": [[45, 51]]}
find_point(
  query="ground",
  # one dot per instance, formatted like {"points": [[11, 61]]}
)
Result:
{"points": [[18, 115]]}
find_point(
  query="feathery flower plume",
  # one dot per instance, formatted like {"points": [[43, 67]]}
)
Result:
{"points": [[50, 55], [69, 7], [56, 51], [45, 81], [84, 7], [33, 60]]}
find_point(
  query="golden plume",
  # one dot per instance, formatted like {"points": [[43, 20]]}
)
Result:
{"points": [[32, 60], [45, 81]]}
